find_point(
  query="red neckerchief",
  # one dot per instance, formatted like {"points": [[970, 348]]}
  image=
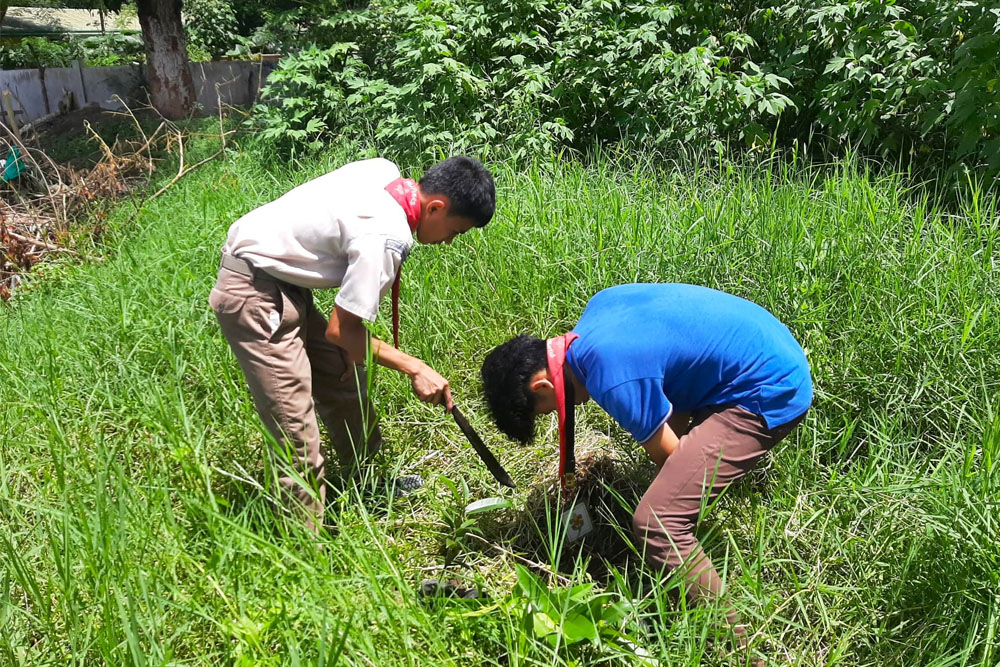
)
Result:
{"points": [[406, 194], [555, 352]]}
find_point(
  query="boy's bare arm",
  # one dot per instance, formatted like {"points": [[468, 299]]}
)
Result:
{"points": [[661, 445], [348, 331]]}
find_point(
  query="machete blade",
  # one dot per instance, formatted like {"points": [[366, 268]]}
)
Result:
{"points": [[484, 453]]}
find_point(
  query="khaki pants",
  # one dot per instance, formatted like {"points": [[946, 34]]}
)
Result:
{"points": [[278, 337], [722, 445]]}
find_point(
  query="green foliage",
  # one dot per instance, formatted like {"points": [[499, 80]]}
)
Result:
{"points": [[254, 14], [97, 51], [577, 619], [921, 75], [113, 49], [532, 75], [107, 5], [210, 26], [917, 77], [307, 107], [32, 52]]}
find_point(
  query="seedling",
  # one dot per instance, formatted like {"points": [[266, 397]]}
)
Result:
{"points": [[486, 505]]}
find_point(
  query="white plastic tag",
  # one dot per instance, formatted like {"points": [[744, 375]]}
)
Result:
{"points": [[577, 522]]}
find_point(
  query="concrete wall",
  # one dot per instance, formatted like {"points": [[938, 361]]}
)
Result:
{"points": [[105, 85], [37, 92], [239, 83], [63, 81], [27, 93]]}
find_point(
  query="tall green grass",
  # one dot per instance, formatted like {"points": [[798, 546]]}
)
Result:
{"points": [[136, 528]]}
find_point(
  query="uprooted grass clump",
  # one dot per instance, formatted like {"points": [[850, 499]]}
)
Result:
{"points": [[608, 480]]}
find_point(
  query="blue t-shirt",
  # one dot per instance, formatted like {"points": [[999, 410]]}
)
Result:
{"points": [[647, 350]]}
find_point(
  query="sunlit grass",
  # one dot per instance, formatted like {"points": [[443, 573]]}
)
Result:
{"points": [[136, 526]]}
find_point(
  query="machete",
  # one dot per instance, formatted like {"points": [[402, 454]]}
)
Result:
{"points": [[484, 453]]}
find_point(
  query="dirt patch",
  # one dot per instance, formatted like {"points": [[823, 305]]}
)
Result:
{"points": [[72, 123], [608, 481], [68, 139]]}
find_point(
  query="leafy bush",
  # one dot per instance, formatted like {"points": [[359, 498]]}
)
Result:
{"points": [[528, 74], [32, 52], [920, 76], [531, 76], [308, 104], [113, 49], [97, 51], [210, 26]]}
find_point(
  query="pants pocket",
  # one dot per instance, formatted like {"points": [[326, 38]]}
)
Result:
{"points": [[224, 303], [281, 313]]}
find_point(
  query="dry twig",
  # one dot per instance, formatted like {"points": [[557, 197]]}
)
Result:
{"points": [[48, 197]]}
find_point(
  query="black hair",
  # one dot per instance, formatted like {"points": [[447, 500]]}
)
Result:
{"points": [[467, 184], [506, 371]]}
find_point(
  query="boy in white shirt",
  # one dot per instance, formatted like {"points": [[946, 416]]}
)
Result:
{"points": [[353, 229]]}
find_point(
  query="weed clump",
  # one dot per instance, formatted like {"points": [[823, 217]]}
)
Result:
{"points": [[608, 481]]}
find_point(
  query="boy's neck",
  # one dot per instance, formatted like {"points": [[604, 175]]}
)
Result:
{"points": [[423, 204], [579, 389]]}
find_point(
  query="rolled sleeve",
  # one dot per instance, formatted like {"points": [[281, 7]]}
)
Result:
{"points": [[372, 264]]}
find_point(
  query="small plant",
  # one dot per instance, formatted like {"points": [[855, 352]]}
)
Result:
{"points": [[578, 619], [457, 525]]}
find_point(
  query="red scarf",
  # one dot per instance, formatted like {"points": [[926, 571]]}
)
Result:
{"points": [[555, 352], [406, 194]]}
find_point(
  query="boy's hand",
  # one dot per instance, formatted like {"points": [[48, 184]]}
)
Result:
{"points": [[348, 331], [431, 387]]}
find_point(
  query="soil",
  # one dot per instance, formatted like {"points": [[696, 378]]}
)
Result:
{"points": [[609, 483], [72, 123], [66, 139]]}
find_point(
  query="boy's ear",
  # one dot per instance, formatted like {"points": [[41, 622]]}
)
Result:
{"points": [[436, 203], [540, 382]]}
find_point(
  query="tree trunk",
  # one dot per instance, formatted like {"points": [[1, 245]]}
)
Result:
{"points": [[171, 87]]}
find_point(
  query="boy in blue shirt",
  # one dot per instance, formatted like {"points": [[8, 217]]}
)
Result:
{"points": [[706, 381]]}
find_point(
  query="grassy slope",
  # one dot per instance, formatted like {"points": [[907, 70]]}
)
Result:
{"points": [[131, 531]]}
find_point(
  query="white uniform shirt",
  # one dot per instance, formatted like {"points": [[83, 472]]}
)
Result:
{"points": [[339, 230]]}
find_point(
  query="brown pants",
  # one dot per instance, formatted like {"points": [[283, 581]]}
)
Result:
{"points": [[723, 444], [278, 337]]}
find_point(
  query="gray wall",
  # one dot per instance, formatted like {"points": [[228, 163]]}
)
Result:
{"points": [[239, 83], [27, 91], [104, 85], [36, 92]]}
